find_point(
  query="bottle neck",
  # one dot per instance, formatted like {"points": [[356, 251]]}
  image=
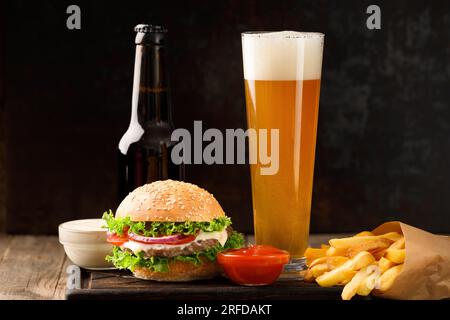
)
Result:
{"points": [[153, 105]]}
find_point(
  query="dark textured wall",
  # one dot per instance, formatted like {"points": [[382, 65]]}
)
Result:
{"points": [[2, 129], [384, 125]]}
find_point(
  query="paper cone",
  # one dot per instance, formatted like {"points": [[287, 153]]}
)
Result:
{"points": [[426, 270]]}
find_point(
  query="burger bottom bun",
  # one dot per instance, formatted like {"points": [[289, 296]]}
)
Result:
{"points": [[180, 271]]}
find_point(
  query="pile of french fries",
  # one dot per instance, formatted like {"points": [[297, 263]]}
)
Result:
{"points": [[361, 263]]}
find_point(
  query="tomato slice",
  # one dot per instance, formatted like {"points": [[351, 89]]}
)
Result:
{"points": [[254, 265], [115, 239], [186, 239], [119, 240]]}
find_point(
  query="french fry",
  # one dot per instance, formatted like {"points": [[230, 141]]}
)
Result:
{"points": [[396, 255], [333, 262], [307, 275], [361, 260], [363, 289], [388, 278], [393, 236], [317, 261], [333, 252], [364, 233], [355, 241], [346, 270], [346, 280], [379, 253], [366, 286], [312, 254], [319, 269], [362, 263], [399, 244], [385, 264], [369, 245], [332, 278], [351, 288]]}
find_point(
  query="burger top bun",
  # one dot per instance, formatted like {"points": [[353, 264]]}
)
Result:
{"points": [[170, 201]]}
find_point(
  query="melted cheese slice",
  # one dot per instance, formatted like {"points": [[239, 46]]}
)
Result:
{"points": [[135, 246]]}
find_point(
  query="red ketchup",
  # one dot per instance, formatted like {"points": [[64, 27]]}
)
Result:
{"points": [[254, 265]]}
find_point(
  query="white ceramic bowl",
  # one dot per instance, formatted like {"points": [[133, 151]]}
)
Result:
{"points": [[85, 243]]}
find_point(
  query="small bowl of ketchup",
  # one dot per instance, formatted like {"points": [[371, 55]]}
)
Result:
{"points": [[256, 265]]}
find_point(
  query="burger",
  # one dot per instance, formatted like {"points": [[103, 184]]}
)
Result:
{"points": [[170, 231]]}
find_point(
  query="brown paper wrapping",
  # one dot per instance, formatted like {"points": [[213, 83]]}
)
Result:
{"points": [[426, 270]]}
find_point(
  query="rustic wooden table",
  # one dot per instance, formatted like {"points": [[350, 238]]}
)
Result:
{"points": [[34, 267]]}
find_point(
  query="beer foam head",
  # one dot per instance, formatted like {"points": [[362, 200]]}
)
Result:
{"points": [[285, 55]]}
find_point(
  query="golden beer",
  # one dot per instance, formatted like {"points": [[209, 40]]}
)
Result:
{"points": [[282, 72]]}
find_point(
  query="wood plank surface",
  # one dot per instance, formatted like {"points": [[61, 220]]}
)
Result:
{"points": [[5, 241], [31, 268], [60, 292]]}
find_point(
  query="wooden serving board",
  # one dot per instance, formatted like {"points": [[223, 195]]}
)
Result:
{"points": [[122, 285]]}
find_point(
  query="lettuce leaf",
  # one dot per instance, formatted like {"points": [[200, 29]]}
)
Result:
{"points": [[129, 260], [157, 229]]}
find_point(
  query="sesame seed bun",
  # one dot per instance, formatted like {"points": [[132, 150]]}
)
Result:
{"points": [[170, 201], [181, 271]]}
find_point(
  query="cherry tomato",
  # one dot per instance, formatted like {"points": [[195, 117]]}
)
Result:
{"points": [[253, 265]]}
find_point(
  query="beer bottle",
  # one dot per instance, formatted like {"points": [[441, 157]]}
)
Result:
{"points": [[145, 148]]}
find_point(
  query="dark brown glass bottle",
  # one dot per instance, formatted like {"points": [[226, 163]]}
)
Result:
{"points": [[144, 150]]}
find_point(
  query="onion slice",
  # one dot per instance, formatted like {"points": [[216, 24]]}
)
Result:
{"points": [[165, 239]]}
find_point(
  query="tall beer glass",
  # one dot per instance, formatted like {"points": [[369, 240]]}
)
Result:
{"points": [[282, 72]]}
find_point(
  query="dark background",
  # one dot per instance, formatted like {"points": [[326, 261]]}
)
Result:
{"points": [[383, 149]]}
